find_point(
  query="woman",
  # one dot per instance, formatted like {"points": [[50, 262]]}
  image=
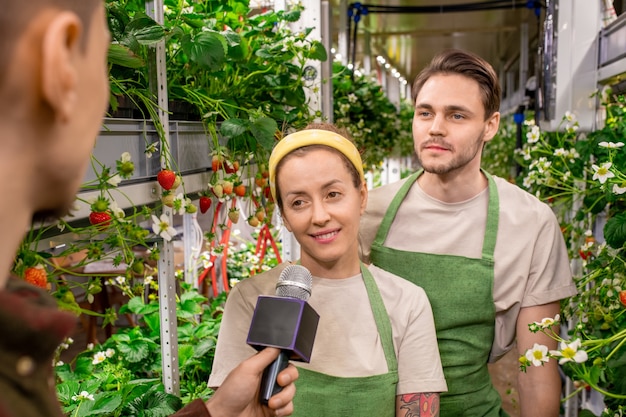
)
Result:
{"points": [[375, 350]]}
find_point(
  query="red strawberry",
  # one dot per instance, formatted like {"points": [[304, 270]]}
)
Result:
{"points": [[37, 276], [240, 190], [227, 186], [622, 297], [205, 204], [233, 215], [229, 167], [100, 219], [166, 178]]}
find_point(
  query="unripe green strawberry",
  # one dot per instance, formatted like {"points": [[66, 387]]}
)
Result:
{"points": [[190, 208], [233, 215], [218, 190], [177, 182], [253, 221], [101, 204], [168, 199]]}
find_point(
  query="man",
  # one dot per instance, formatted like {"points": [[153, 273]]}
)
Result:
{"points": [[490, 256], [53, 94]]}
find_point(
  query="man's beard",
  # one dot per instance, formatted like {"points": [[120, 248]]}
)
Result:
{"points": [[459, 161]]}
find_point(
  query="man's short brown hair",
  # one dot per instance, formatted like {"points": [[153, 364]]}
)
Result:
{"points": [[464, 63]]}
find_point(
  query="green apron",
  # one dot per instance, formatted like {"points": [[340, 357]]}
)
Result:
{"points": [[460, 293], [324, 395]]}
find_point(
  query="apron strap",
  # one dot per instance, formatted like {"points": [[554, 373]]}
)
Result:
{"points": [[390, 215], [493, 214], [381, 318]]}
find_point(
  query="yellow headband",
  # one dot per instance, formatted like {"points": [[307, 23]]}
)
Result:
{"points": [[312, 137]]}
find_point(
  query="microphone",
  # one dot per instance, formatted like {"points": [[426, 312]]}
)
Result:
{"points": [[285, 321]]}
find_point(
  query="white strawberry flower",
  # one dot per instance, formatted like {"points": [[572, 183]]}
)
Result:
{"points": [[161, 226], [533, 135], [570, 352], [99, 357], [538, 355], [84, 395], [602, 173], [618, 190], [611, 145], [115, 180]]}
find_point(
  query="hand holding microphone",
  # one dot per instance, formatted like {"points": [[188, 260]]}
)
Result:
{"points": [[285, 321]]}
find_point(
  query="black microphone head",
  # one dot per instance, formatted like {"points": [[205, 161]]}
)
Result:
{"points": [[295, 281]]}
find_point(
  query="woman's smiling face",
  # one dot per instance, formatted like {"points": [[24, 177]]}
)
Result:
{"points": [[322, 208]]}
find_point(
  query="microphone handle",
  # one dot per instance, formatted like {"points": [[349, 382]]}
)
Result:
{"points": [[269, 386]]}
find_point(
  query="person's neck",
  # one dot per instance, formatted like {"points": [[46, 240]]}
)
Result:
{"points": [[455, 186], [343, 268]]}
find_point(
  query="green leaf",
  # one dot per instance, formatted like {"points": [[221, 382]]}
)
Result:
{"points": [[124, 57], [615, 231], [233, 127], [185, 352], [154, 404], [104, 403], [150, 35], [318, 51], [292, 16], [263, 129], [207, 49]]}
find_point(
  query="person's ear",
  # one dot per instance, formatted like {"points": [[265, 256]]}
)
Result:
{"points": [[364, 194], [491, 126], [59, 78]]}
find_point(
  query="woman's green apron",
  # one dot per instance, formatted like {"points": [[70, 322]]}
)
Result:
{"points": [[460, 293], [324, 395]]}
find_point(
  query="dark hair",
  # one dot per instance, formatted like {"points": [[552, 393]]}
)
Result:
{"points": [[16, 16], [464, 63], [354, 173]]}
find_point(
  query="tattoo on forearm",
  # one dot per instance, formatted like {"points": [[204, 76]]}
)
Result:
{"points": [[420, 404]]}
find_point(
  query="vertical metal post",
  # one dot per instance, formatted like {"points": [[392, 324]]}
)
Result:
{"points": [[327, 67], [343, 37], [166, 279]]}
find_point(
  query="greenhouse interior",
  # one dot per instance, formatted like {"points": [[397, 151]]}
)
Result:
{"points": [[179, 207]]}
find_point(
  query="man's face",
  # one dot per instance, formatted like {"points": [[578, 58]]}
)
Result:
{"points": [[449, 126]]}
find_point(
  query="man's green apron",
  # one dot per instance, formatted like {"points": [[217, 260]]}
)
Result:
{"points": [[460, 293], [324, 395]]}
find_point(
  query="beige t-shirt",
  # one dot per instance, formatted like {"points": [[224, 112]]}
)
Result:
{"points": [[347, 343], [531, 261]]}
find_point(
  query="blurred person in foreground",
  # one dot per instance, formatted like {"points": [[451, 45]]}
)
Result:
{"points": [[490, 256], [53, 95]]}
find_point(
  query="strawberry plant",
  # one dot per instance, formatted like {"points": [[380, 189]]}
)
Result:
{"points": [[583, 177]]}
